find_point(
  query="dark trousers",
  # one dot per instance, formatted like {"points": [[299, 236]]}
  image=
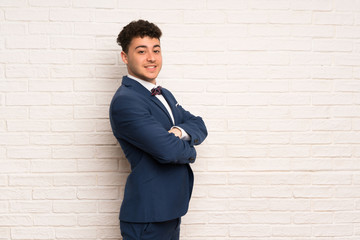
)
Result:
{"points": [[169, 230]]}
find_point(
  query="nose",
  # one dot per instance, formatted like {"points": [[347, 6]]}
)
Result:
{"points": [[151, 57]]}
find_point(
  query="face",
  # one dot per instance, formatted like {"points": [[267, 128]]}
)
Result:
{"points": [[143, 59]]}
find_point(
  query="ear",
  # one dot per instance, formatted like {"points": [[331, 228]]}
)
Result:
{"points": [[124, 57]]}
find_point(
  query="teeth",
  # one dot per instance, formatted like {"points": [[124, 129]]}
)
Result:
{"points": [[151, 67]]}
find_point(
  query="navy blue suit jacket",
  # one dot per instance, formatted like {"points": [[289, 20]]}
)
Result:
{"points": [[160, 183]]}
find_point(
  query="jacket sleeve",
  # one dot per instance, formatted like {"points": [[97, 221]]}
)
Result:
{"points": [[194, 126], [134, 123]]}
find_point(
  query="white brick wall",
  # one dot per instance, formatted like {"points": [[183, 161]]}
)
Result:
{"points": [[276, 81]]}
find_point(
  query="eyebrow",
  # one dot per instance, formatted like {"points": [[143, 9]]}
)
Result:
{"points": [[143, 46]]}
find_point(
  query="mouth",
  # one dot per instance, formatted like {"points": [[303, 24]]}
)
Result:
{"points": [[151, 68]]}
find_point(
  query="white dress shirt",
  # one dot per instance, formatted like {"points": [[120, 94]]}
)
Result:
{"points": [[148, 85]]}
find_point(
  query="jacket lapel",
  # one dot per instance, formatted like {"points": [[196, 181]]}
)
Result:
{"points": [[171, 103], [144, 92]]}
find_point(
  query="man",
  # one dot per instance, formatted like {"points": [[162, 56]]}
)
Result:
{"points": [[157, 136]]}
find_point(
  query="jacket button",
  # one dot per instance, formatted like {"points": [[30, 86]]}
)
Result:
{"points": [[196, 141], [191, 159]]}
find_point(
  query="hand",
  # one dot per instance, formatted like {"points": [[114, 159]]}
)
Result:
{"points": [[176, 132]]}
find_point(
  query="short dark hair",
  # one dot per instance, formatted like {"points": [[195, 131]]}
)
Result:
{"points": [[140, 28]]}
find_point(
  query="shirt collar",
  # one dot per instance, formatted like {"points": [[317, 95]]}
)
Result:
{"points": [[145, 84]]}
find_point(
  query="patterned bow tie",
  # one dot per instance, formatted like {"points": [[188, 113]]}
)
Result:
{"points": [[156, 91]]}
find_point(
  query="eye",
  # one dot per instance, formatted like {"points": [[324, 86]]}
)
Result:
{"points": [[156, 51], [141, 52]]}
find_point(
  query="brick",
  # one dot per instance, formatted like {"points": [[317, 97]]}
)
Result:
{"points": [[250, 231], [18, 71], [63, 85], [103, 99], [269, 218], [313, 112], [29, 125], [72, 126], [75, 233], [347, 5], [320, 5], [271, 192], [72, 43], [51, 139], [99, 220], [292, 231], [28, 152], [73, 152], [103, 193], [103, 29], [333, 18], [75, 180], [204, 17], [91, 112], [54, 193], [72, 72], [55, 220], [119, 15], [10, 194], [347, 32], [98, 138], [95, 4], [13, 56], [9, 29], [290, 205], [313, 192], [87, 57], [161, 17], [332, 230], [109, 152], [318, 58], [247, 17], [268, 112], [72, 99], [50, 28], [100, 165], [12, 139], [347, 217], [58, 165], [30, 206], [227, 4], [69, 15], [347, 192], [270, 30], [112, 179], [313, 218], [109, 206], [12, 3], [74, 206], [51, 3], [332, 205], [10, 166], [27, 99], [247, 99], [311, 138], [104, 85], [32, 233], [211, 231], [56, 57], [331, 151], [51, 112], [28, 181], [161, 5], [290, 17], [15, 220], [27, 14], [347, 137], [27, 42], [216, 218]]}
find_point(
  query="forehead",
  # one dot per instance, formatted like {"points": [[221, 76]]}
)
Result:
{"points": [[145, 41]]}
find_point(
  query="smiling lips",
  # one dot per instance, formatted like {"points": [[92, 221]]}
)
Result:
{"points": [[151, 68]]}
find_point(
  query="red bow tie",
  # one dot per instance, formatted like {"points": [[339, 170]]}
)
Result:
{"points": [[156, 91]]}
